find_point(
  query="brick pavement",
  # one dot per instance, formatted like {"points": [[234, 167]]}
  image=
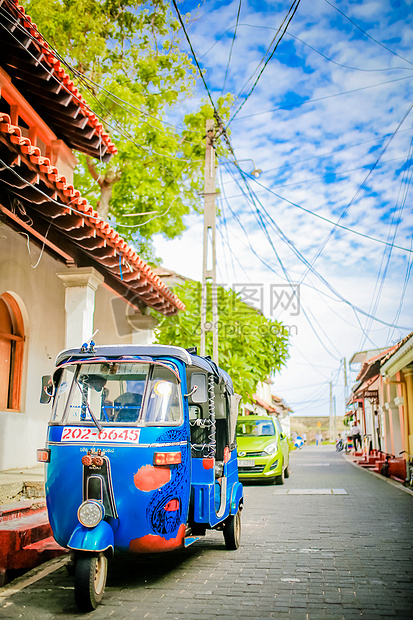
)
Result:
{"points": [[303, 556]]}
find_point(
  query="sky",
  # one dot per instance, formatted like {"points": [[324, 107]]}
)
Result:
{"points": [[329, 124]]}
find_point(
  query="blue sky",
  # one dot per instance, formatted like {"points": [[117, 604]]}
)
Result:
{"points": [[328, 123]]}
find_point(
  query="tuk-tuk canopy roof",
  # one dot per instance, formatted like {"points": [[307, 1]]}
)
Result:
{"points": [[117, 351]]}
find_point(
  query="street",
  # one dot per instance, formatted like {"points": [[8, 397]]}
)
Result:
{"points": [[332, 542]]}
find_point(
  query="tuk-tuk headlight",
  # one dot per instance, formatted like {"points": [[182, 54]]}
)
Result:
{"points": [[90, 513], [271, 448]]}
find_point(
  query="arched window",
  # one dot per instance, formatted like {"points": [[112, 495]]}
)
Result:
{"points": [[11, 352]]}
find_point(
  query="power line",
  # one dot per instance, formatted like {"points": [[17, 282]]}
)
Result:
{"points": [[232, 46], [326, 219], [216, 115], [224, 133], [361, 187], [263, 227], [309, 266], [367, 34], [257, 26], [85, 81], [293, 106], [290, 14], [395, 221]]}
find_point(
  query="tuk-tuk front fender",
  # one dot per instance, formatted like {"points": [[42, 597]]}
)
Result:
{"points": [[237, 498], [96, 539]]}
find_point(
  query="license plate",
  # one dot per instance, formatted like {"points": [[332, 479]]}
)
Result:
{"points": [[86, 434], [245, 463]]}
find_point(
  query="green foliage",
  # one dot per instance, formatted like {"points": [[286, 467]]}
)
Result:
{"points": [[127, 64], [251, 347]]}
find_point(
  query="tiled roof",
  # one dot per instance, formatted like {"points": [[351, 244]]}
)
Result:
{"points": [[396, 348], [369, 363], [31, 177], [39, 75], [262, 403]]}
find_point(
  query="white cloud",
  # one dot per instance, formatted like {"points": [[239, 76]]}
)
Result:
{"points": [[316, 155]]}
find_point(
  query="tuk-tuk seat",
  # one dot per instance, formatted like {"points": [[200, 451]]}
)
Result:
{"points": [[127, 407]]}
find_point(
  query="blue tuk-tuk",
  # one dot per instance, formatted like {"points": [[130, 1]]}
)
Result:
{"points": [[140, 455]]}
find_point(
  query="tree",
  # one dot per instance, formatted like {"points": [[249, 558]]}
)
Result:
{"points": [[125, 57], [251, 347]]}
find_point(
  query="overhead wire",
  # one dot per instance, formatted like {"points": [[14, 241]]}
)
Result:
{"points": [[367, 34], [224, 133], [394, 224], [87, 80], [118, 126], [325, 219], [403, 294], [309, 266], [286, 274], [232, 47], [338, 150], [258, 26], [360, 189], [268, 56], [298, 104]]}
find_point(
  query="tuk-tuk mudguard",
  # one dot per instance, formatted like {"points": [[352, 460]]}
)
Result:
{"points": [[99, 538], [237, 495]]}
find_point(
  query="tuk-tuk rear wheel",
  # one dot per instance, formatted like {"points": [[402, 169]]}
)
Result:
{"points": [[90, 580], [232, 531]]}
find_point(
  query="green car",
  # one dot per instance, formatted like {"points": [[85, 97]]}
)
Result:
{"points": [[263, 449]]}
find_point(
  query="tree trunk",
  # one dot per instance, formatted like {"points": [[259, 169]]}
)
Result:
{"points": [[105, 196], [106, 182]]}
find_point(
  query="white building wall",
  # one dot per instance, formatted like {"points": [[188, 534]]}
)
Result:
{"points": [[41, 299], [41, 295]]}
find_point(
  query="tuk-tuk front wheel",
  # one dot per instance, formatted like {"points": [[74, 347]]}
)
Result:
{"points": [[232, 531], [90, 580]]}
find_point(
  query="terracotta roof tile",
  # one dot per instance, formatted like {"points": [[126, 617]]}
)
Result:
{"points": [[71, 202], [16, 11], [262, 403], [396, 347]]}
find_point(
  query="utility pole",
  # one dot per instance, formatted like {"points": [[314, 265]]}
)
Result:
{"points": [[209, 248], [345, 384], [331, 412]]}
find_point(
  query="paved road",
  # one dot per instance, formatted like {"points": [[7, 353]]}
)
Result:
{"points": [[334, 542]]}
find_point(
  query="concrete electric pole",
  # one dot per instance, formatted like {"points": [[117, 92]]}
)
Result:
{"points": [[345, 384], [331, 412], [209, 248]]}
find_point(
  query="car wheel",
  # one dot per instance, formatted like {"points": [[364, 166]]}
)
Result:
{"points": [[287, 472], [280, 479], [232, 531]]}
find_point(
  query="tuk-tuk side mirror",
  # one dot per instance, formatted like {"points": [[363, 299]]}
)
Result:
{"points": [[200, 395], [47, 389]]}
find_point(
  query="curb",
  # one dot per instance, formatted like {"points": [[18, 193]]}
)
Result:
{"points": [[396, 485]]}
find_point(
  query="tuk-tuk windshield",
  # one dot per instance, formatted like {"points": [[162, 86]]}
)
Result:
{"points": [[117, 393]]}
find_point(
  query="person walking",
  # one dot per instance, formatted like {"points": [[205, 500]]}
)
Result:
{"points": [[355, 432], [377, 428]]}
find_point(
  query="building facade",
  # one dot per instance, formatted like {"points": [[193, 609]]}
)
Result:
{"points": [[65, 274], [382, 399]]}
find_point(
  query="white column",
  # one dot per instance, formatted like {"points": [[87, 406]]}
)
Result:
{"points": [[80, 287]]}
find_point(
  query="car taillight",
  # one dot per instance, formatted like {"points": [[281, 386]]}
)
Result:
{"points": [[167, 458], [43, 456]]}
